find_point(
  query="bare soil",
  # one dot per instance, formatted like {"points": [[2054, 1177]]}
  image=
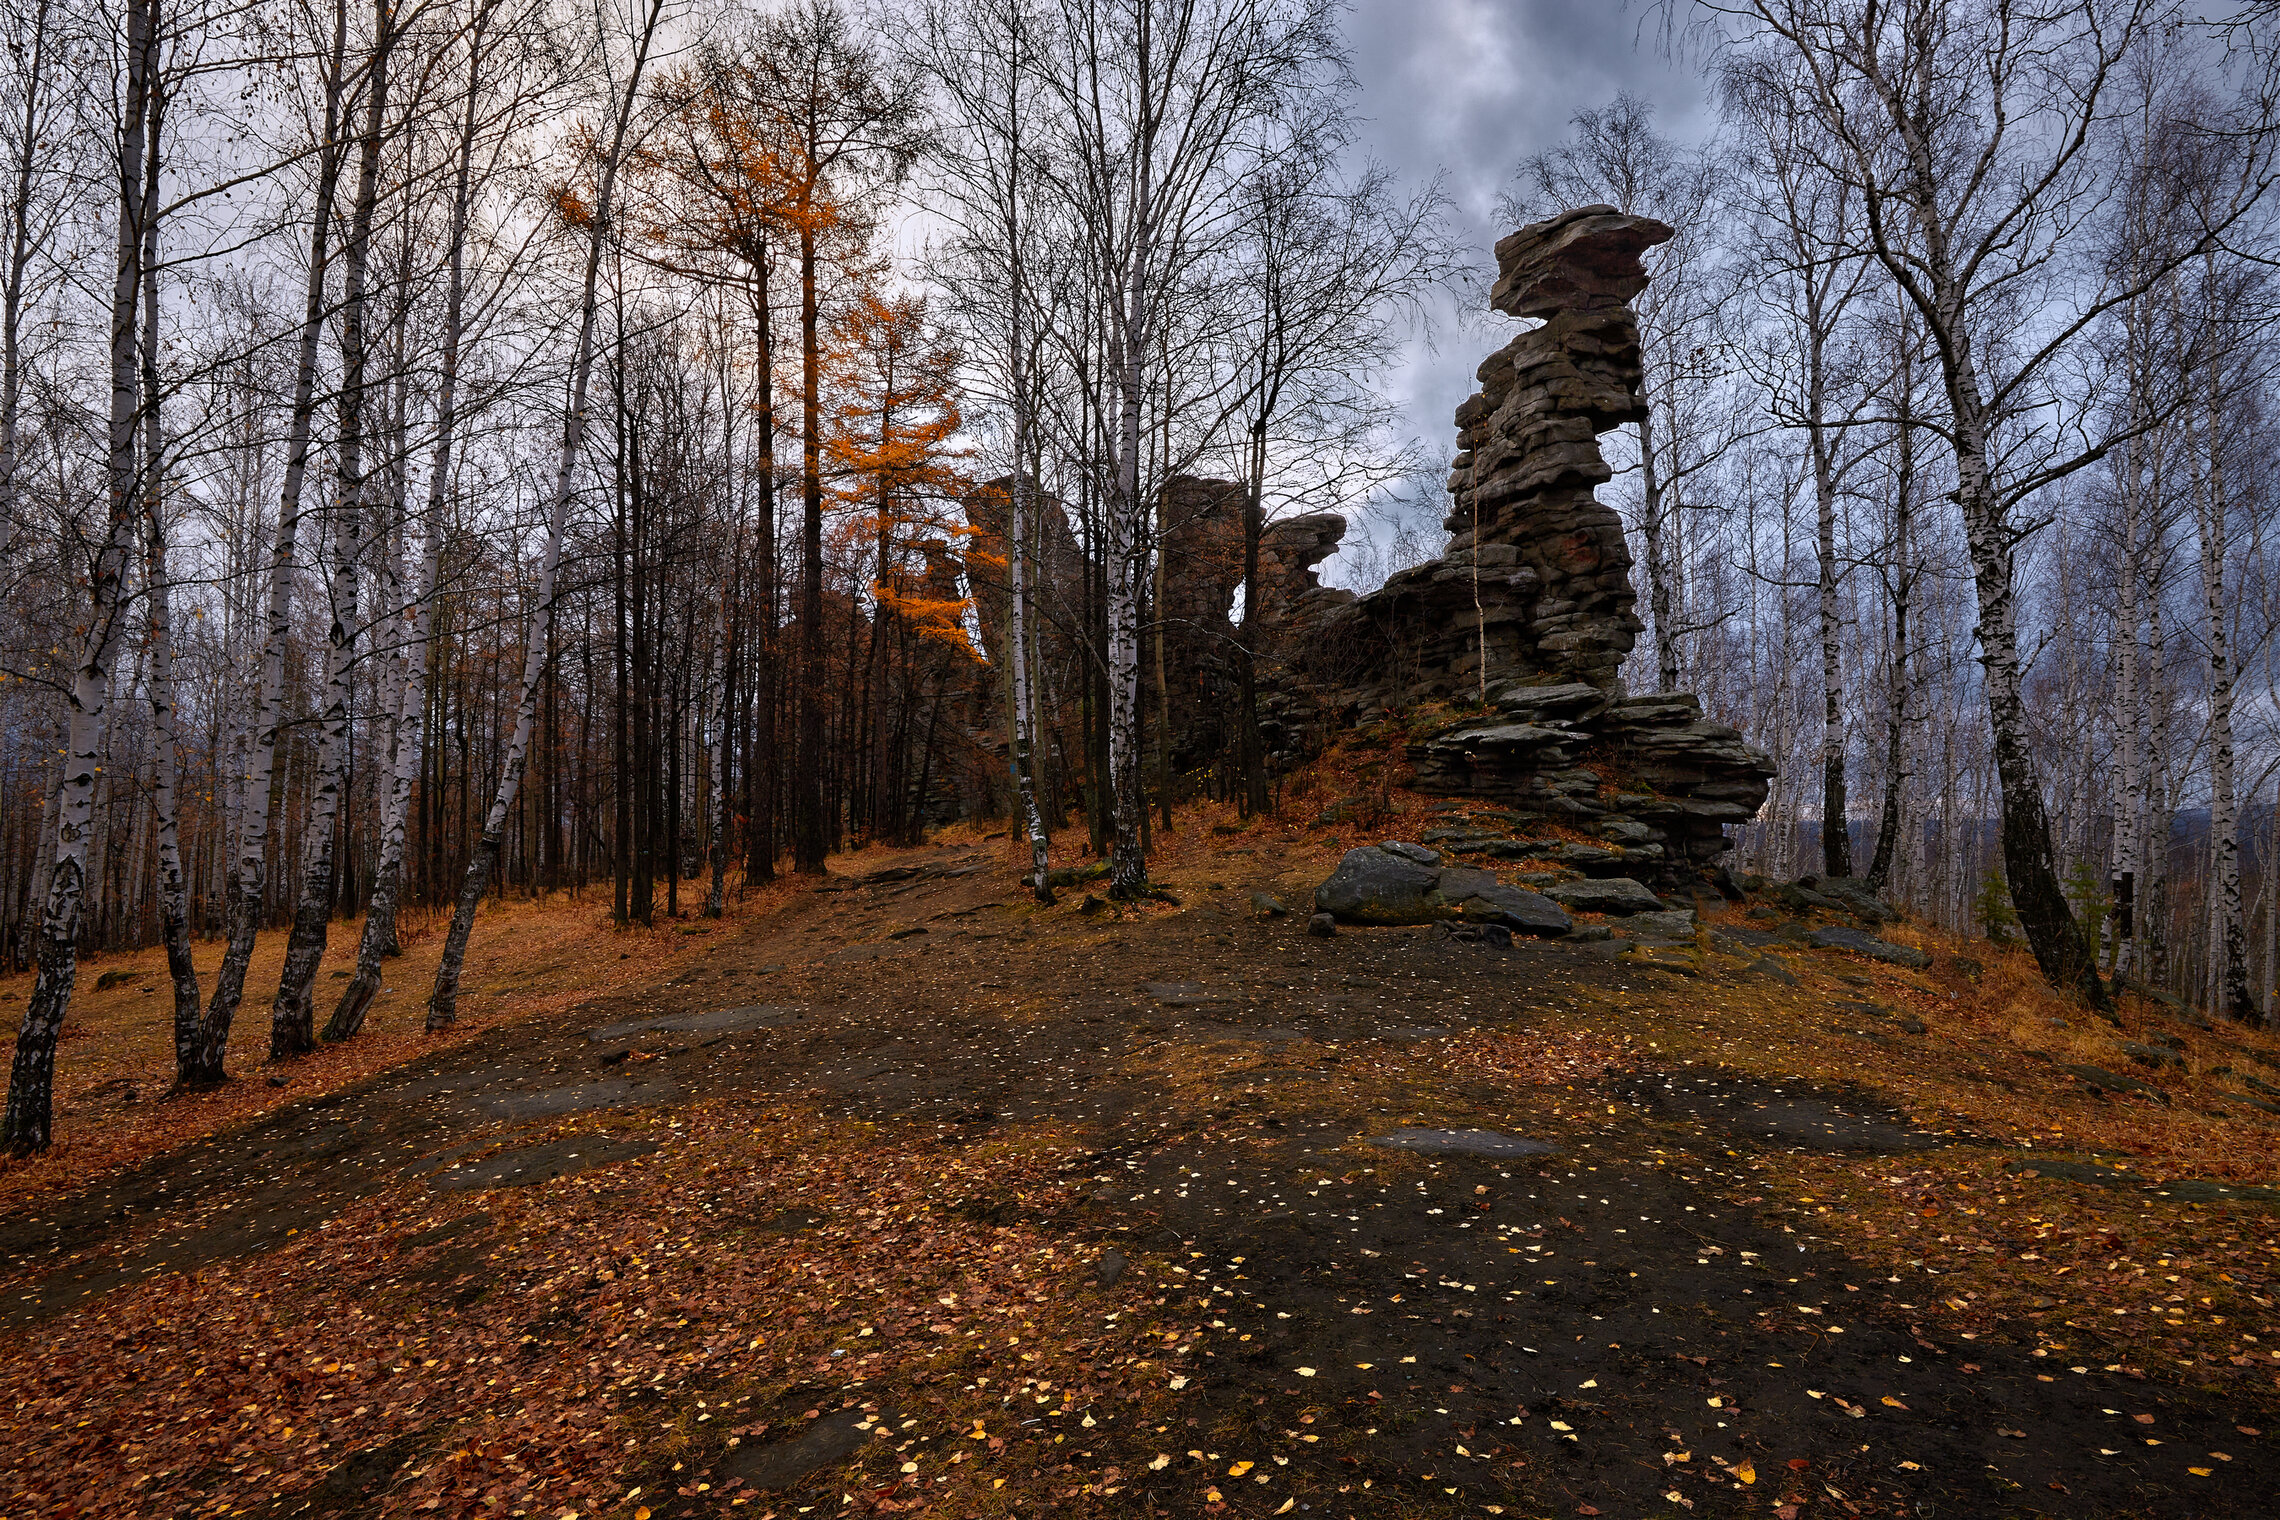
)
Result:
{"points": [[914, 1196]]}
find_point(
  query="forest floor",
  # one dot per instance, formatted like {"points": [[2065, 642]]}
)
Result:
{"points": [[898, 1192]]}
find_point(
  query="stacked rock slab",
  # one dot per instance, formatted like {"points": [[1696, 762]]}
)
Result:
{"points": [[1537, 575], [1647, 774], [1536, 582]]}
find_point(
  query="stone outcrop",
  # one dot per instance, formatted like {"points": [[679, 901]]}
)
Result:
{"points": [[1202, 525], [1647, 774], [1396, 882], [1531, 603]]}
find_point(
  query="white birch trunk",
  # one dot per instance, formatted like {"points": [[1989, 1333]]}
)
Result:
{"points": [[292, 1014], [1017, 509], [1836, 820], [30, 1121], [2129, 719], [173, 888], [410, 721], [2228, 927], [716, 769]]}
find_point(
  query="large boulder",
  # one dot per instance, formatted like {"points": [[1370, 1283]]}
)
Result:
{"points": [[1619, 895], [1478, 897], [1388, 884], [1373, 885]]}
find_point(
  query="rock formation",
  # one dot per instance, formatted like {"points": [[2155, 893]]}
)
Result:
{"points": [[1535, 582]]}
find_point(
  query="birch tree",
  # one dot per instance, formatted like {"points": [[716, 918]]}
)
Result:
{"points": [[29, 1124], [443, 1003], [976, 54], [1975, 136], [251, 876], [292, 1014], [1812, 278], [1160, 106], [379, 934], [172, 888]]}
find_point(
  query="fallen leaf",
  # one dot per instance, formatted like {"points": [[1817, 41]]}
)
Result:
{"points": [[2200, 1472], [1306, 1372], [1239, 1469], [1162, 1461], [1746, 1472], [1895, 1403]]}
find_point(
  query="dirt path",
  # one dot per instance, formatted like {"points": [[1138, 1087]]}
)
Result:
{"points": [[1554, 1292]]}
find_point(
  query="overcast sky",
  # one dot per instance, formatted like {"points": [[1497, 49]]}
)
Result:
{"points": [[1471, 87]]}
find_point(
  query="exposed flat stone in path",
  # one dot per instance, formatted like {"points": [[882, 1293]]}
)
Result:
{"points": [[2192, 1189], [1805, 1118], [578, 1098], [1463, 1142], [538, 1163], [780, 1465], [712, 1021]]}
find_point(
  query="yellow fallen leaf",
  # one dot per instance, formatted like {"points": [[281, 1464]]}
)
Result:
{"points": [[1238, 1469], [1561, 1425], [1306, 1372], [1178, 1383], [1213, 1495], [1895, 1403], [2200, 1472], [1289, 1503], [1745, 1472], [1162, 1461], [910, 1467]]}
